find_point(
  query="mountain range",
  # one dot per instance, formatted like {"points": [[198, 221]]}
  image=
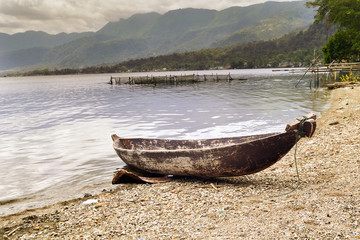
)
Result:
{"points": [[152, 34]]}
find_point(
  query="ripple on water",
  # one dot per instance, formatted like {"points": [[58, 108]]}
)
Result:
{"points": [[55, 131]]}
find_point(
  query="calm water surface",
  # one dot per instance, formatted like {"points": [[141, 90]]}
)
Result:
{"points": [[55, 131]]}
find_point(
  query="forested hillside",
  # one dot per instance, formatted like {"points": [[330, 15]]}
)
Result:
{"points": [[292, 50], [36, 39], [153, 34]]}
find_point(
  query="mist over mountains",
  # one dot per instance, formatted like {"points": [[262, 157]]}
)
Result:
{"points": [[152, 34]]}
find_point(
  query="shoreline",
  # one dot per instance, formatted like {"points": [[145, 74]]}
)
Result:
{"points": [[326, 205]]}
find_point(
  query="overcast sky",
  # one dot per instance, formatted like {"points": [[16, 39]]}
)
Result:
{"points": [[55, 16]]}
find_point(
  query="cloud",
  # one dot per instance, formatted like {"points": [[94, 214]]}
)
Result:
{"points": [[90, 15], [22, 9]]}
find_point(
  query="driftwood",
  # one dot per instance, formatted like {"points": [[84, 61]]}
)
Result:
{"points": [[132, 176], [339, 85]]}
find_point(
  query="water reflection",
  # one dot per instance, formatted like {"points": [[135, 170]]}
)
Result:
{"points": [[55, 131]]}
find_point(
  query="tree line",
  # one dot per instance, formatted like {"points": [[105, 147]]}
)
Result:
{"points": [[334, 36], [295, 49], [344, 45]]}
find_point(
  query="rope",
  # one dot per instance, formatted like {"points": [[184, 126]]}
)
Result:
{"points": [[301, 133], [300, 127]]}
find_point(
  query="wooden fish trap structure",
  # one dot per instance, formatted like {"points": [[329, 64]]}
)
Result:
{"points": [[333, 70], [171, 79]]}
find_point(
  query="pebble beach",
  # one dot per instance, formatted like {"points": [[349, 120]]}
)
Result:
{"points": [[326, 204]]}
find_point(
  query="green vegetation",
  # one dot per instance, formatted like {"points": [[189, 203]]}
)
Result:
{"points": [[295, 49], [152, 34], [345, 43], [349, 78], [240, 37], [291, 50]]}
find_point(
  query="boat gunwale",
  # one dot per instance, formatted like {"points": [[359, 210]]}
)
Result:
{"points": [[265, 135]]}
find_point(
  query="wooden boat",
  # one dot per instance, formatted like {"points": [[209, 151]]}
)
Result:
{"points": [[219, 157]]}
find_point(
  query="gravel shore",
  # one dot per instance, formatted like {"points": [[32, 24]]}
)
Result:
{"points": [[325, 206]]}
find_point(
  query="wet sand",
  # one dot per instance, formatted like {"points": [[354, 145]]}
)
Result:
{"points": [[325, 206]]}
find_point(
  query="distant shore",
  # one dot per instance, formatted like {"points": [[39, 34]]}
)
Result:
{"points": [[326, 205]]}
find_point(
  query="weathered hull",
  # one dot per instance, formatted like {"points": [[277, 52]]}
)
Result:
{"points": [[205, 158]]}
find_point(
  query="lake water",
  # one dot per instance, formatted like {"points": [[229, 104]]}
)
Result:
{"points": [[55, 130]]}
